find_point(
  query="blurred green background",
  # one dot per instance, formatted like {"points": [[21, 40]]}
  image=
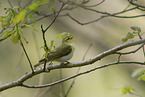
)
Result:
{"points": [[104, 34]]}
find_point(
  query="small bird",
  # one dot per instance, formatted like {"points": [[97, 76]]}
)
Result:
{"points": [[63, 53]]}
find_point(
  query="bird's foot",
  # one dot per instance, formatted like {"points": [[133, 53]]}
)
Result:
{"points": [[65, 63]]}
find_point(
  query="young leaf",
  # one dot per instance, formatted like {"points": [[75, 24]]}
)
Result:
{"points": [[46, 54], [142, 77], [129, 36], [16, 7], [51, 45], [25, 40], [1, 19], [53, 8], [44, 2], [30, 17], [124, 40], [15, 37], [7, 33], [6, 20], [135, 28], [64, 34], [138, 72], [34, 6], [29, 26], [20, 17], [126, 90]]}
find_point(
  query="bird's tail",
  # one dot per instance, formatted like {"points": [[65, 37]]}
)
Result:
{"points": [[40, 62]]}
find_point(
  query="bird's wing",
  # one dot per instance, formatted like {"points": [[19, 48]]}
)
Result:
{"points": [[59, 52]]}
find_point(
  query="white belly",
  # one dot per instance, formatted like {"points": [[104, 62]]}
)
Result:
{"points": [[65, 58]]}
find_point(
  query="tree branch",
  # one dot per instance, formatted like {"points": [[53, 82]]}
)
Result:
{"points": [[29, 75], [104, 15], [81, 73]]}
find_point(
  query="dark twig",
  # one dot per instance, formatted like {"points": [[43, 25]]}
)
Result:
{"points": [[96, 4], [135, 4], [24, 50], [105, 14], [119, 58], [43, 34], [27, 56], [143, 44], [124, 53], [44, 31], [55, 17]]}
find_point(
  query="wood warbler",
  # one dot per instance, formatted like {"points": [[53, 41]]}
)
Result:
{"points": [[62, 53]]}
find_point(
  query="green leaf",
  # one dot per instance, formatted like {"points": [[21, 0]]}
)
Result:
{"points": [[29, 26], [15, 37], [46, 54], [34, 6], [30, 17], [138, 72], [20, 17], [7, 33], [135, 28], [127, 89], [1, 19], [16, 7], [130, 89], [25, 40], [43, 2], [53, 8], [6, 20], [124, 40], [64, 34], [135, 32], [51, 45], [129, 36], [124, 91], [142, 77]]}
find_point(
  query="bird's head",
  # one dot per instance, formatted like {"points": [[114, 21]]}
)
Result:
{"points": [[66, 37]]}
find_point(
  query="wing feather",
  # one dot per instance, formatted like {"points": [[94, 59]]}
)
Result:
{"points": [[59, 52]]}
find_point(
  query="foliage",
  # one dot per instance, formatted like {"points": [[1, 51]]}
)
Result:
{"points": [[127, 89], [16, 19], [131, 35], [140, 74]]}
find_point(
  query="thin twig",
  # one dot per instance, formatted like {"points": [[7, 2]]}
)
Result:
{"points": [[44, 31], [143, 46], [118, 60], [95, 4], [124, 53], [55, 17], [105, 14], [27, 56], [135, 4]]}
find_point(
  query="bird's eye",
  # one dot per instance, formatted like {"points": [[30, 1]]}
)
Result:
{"points": [[68, 38]]}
